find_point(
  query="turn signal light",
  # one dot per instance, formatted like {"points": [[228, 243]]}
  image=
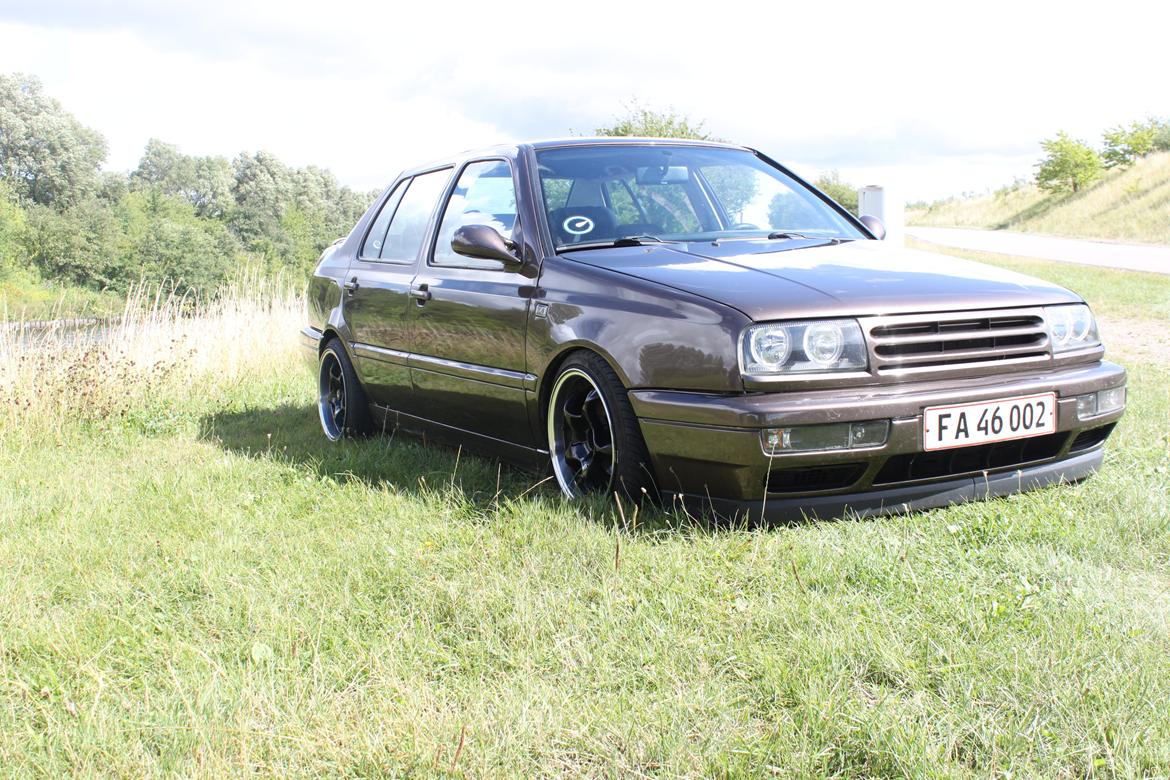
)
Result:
{"points": [[834, 436], [1100, 402]]}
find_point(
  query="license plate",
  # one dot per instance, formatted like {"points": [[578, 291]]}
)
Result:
{"points": [[963, 425]]}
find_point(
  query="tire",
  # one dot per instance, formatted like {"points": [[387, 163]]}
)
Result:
{"points": [[341, 402], [594, 441]]}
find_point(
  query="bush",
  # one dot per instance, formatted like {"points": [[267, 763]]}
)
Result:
{"points": [[1123, 146], [79, 244], [840, 191]]}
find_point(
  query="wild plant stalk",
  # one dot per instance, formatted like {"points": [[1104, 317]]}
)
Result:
{"points": [[162, 345]]}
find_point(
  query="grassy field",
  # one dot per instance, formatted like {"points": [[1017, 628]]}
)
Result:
{"points": [[1127, 205], [196, 584]]}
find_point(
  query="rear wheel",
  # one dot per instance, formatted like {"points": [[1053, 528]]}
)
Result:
{"points": [[593, 437], [341, 401]]}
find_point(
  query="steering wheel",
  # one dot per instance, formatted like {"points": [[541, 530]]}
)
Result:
{"points": [[744, 226]]}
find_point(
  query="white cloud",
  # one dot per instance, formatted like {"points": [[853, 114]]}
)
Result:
{"points": [[944, 98]]}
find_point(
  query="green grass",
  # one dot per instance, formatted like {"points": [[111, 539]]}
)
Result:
{"points": [[24, 298], [1112, 294], [204, 587], [1129, 204]]}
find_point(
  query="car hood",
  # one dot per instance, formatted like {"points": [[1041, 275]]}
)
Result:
{"points": [[810, 278]]}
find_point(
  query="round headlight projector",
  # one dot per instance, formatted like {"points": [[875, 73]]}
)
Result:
{"points": [[771, 347], [823, 343]]}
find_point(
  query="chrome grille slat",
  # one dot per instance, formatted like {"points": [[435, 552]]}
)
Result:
{"points": [[955, 336], [960, 355], [935, 368], [955, 340]]}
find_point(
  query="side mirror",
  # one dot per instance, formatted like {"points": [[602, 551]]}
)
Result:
{"points": [[874, 225], [485, 243]]}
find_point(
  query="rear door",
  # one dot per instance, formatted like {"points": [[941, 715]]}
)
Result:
{"points": [[378, 284], [469, 320]]}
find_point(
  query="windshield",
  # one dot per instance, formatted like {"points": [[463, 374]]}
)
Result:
{"points": [[677, 193]]}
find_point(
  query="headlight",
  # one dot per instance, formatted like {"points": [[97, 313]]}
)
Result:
{"points": [[1071, 327], [802, 347]]}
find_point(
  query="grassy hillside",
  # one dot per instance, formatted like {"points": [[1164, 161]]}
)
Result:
{"points": [[1127, 205], [197, 585]]}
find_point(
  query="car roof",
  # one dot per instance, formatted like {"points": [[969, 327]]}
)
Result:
{"points": [[512, 150], [603, 140]]}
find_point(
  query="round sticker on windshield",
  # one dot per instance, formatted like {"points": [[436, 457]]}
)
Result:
{"points": [[578, 226]]}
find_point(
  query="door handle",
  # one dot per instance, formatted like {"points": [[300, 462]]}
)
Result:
{"points": [[420, 293], [351, 286]]}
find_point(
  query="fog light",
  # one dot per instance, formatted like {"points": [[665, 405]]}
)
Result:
{"points": [[835, 436], [869, 434], [1111, 400], [1101, 402]]}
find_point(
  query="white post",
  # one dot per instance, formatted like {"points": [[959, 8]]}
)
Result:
{"points": [[883, 203]]}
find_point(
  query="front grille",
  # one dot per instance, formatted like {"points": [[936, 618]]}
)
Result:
{"points": [[909, 343], [966, 460], [1091, 437], [809, 479]]}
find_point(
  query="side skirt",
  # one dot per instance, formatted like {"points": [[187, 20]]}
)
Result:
{"points": [[430, 432]]}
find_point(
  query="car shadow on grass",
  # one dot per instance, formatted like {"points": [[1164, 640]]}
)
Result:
{"points": [[291, 434]]}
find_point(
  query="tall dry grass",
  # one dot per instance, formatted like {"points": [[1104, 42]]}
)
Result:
{"points": [[164, 347]]}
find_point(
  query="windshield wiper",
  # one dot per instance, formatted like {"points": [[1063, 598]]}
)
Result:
{"points": [[791, 234], [642, 239], [778, 234], [623, 241]]}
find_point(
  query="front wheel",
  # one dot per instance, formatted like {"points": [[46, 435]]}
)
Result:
{"points": [[593, 437], [341, 401]]}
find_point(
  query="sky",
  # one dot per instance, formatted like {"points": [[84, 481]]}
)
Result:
{"points": [[928, 99]]}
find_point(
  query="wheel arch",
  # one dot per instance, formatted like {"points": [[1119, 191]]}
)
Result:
{"points": [[328, 335], [552, 368]]}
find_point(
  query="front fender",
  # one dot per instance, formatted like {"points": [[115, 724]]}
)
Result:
{"points": [[653, 336]]}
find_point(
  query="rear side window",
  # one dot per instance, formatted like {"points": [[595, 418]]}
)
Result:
{"points": [[408, 225], [376, 238], [556, 192]]}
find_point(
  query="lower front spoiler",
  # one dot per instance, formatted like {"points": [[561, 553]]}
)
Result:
{"points": [[895, 500]]}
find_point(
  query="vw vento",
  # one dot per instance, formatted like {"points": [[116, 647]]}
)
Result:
{"points": [[692, 321]]}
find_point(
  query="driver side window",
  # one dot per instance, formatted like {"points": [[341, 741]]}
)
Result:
{"points": [[484, 195]]}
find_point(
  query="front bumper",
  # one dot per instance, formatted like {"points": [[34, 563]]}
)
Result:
{"points": [[707, 453]]}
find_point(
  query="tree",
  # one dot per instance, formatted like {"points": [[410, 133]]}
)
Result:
{"points": [[163, 166], [646, 122], [1123, 146], [1069, 165], [204, 182], [46, 155], [260, 188], [12, 231]]}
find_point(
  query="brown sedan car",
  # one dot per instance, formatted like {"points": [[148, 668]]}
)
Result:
{"points": [[693, 321]]}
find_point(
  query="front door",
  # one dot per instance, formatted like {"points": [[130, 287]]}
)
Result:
{"points": [[470, 314], [377, 289]]}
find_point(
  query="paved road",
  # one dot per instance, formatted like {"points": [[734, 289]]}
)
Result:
{"points": [[1154, 258]]}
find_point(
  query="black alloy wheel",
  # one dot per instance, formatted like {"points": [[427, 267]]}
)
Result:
{"points": [[595, 444], [341, 401]]}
